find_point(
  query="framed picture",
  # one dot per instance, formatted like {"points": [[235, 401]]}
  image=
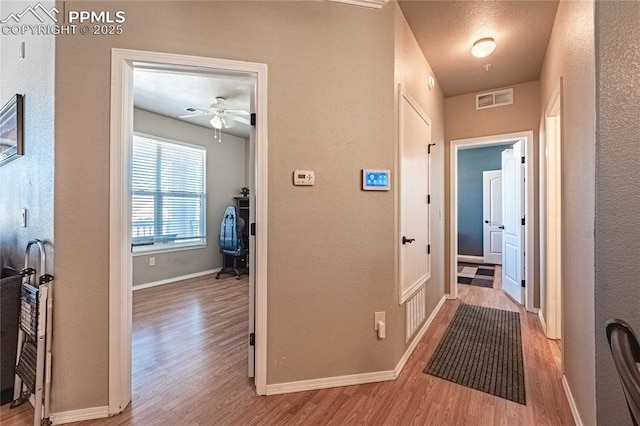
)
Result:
{"points": [[12, 129]]}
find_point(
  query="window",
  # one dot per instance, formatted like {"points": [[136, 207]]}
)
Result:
{"points": [[168, 193]]}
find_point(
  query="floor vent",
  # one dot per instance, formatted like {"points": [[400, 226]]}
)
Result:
{"points": [[415, 312], [494, 99]]}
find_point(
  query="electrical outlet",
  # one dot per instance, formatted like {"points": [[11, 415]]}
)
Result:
{"points": [[152, 261], [378, 317]]}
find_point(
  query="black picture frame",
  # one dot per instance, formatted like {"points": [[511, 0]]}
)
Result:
{"points": [[12, 130]]}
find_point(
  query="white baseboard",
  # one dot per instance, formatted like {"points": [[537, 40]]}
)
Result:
{"points": [[418, 337], [330, 382], [542, 322], [572, 402], [79, 415], [470, 259], [356, 379], [175, 279]]}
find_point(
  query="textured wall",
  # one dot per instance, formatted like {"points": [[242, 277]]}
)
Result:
{"points": [[463, 121], [412, 71], [571, 55], [225, 167], [471, 164], [27, 182], [331, 246], [617, 240]]}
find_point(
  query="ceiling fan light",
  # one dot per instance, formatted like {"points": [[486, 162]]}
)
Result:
{"points": [[217, 122], [483, 47]]}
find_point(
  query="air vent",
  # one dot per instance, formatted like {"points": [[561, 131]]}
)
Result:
{"points": [[494, 99]]}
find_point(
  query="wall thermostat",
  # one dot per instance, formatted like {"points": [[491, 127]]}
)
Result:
{"points": [[304, 177], [376, 180]]}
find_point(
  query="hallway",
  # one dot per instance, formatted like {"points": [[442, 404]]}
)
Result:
{"points": [[414, 398]]}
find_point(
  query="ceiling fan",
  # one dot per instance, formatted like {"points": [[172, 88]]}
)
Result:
{"points": [[223, 116]]}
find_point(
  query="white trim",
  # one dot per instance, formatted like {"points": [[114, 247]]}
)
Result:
{"points": [[331, 382], [175, 279], [550, 166], [572, 402], [542, 322], [141, 252], [418, 336], [356, 379], [79, 415], [371, 4], [470, 259], [527, 138], [123, 62]]}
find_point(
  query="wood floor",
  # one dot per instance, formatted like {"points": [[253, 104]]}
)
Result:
{"points": [[190, 368]]}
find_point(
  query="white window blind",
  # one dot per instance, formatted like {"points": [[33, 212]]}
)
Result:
{"points": [[168, 193]]}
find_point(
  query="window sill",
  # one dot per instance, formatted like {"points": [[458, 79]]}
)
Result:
{"points": [[155, 249]]}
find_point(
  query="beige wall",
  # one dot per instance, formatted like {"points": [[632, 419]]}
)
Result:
{"points": [[225, 175], [464, 121], [412, 71], [331, 246], [570, 55], [617, 237]]}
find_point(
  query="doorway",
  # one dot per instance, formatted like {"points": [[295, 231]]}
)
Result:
{"points": [[526, 140], [124, 64], [551, 212]]}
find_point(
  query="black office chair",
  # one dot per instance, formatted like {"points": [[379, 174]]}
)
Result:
{"points": [[626, 356], [232, 244]]}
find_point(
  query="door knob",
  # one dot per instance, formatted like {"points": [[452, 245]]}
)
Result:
{"points": [[406, 240], [486, 221], [501, 227]]}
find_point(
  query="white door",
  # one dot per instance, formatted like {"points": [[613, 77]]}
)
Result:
{"points": [[415, 134], [512, 215], [492, 216]]}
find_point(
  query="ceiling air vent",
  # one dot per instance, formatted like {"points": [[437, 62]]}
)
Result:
{"points": [[494, 99]]}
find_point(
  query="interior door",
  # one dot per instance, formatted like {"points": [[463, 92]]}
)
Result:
{"points": [[492, 214], [251, 175], [415, 134], [512, 208]]}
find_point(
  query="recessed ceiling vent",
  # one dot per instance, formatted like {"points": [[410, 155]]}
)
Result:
{"points": [[494, 99]]}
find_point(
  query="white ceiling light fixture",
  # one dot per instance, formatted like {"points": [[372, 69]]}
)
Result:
{"points": [[218, 123], [483, 47]]}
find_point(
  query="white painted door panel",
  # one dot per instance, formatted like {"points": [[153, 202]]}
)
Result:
{"points": [[415, 266], [512, 208], [492, 216]]}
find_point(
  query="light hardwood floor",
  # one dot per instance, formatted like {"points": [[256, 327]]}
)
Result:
{"points": [[190, 367]]}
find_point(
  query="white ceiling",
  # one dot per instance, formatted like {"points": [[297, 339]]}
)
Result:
{"points": [[169, 93], [446, 30]]}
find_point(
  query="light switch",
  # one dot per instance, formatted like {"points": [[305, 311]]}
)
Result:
{"points": [[23, 218]]}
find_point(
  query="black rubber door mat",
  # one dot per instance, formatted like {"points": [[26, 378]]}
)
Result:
{"points": [[482, 349]]}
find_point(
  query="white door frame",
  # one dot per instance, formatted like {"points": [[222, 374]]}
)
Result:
{"points": [[123, 62], [550, 215], [460, 144]]}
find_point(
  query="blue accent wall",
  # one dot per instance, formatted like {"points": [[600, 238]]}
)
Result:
{"points": [[471, 163]]}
